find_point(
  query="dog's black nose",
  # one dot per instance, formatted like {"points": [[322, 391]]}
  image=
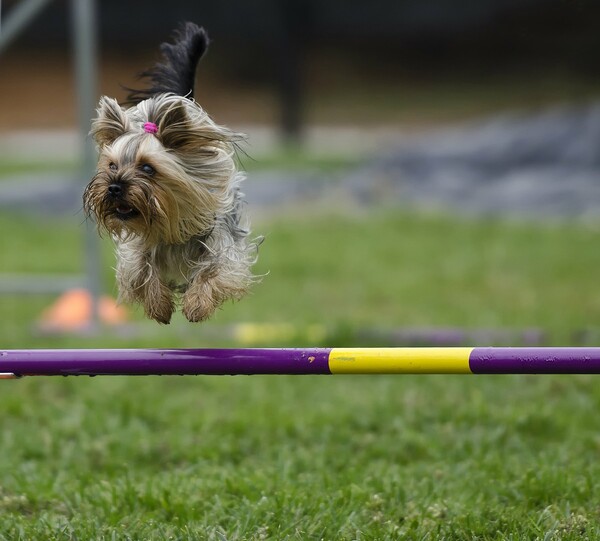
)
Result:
{"points": [[115, 190]]}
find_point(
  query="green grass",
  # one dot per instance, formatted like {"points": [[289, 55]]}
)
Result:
{"points": [[397, 269], [369, 458], [9, 168], [300, 458], [383, 270]]}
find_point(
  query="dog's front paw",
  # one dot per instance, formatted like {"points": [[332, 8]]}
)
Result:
{"points": [[158, 303], [161, 313], [198, 304], [196, 309]]}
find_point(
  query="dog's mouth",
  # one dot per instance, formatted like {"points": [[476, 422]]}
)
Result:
{"points": [[125, 212]]}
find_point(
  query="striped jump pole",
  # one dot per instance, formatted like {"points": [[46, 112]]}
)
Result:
{"points": [[438, 360]]}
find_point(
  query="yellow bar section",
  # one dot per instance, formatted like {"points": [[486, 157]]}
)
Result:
{"points": [[400, 360]]}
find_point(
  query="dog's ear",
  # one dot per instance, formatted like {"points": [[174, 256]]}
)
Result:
{"points": [[110, 123], [173, 127]]}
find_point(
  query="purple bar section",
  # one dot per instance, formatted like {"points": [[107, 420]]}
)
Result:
{"points": [[535, 361], [141, 362]]}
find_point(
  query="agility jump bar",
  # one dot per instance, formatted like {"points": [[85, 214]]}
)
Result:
{"points": [[254, 361]]}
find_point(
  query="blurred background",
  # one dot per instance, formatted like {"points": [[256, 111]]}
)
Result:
{"points": [[301, 64], [424, 172]]}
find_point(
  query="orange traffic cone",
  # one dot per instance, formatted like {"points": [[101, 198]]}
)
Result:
{"points": [[73, 311]]}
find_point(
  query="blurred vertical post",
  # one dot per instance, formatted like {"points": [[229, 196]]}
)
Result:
{"points": [[294, 29], [84, 24]]}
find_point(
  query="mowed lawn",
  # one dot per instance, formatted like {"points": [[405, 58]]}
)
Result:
{"points": [[268, 457]]}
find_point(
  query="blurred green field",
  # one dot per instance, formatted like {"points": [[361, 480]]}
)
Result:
{"points": [[382, 269], [244, 458]]}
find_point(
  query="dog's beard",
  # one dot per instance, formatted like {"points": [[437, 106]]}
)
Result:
{"points": [[155, 214], [169, 208], [124, 216]]}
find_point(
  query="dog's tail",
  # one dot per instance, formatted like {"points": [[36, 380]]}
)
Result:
{"points": [[177, 71]]}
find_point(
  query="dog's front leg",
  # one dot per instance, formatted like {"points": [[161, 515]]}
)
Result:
{"points": [[201, 298], [139, 282], [209, 288]]}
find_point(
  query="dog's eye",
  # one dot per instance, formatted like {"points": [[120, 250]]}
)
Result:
{"points": [[148, 169], [112, 166]]}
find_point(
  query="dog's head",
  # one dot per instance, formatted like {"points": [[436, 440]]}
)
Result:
{"points": [[164, 172]]}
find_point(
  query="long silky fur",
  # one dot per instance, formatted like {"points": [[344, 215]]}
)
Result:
{"points": [[187, 237]]}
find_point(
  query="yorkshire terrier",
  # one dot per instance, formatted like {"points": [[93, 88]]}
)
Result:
{"points": [[167, 191]]}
